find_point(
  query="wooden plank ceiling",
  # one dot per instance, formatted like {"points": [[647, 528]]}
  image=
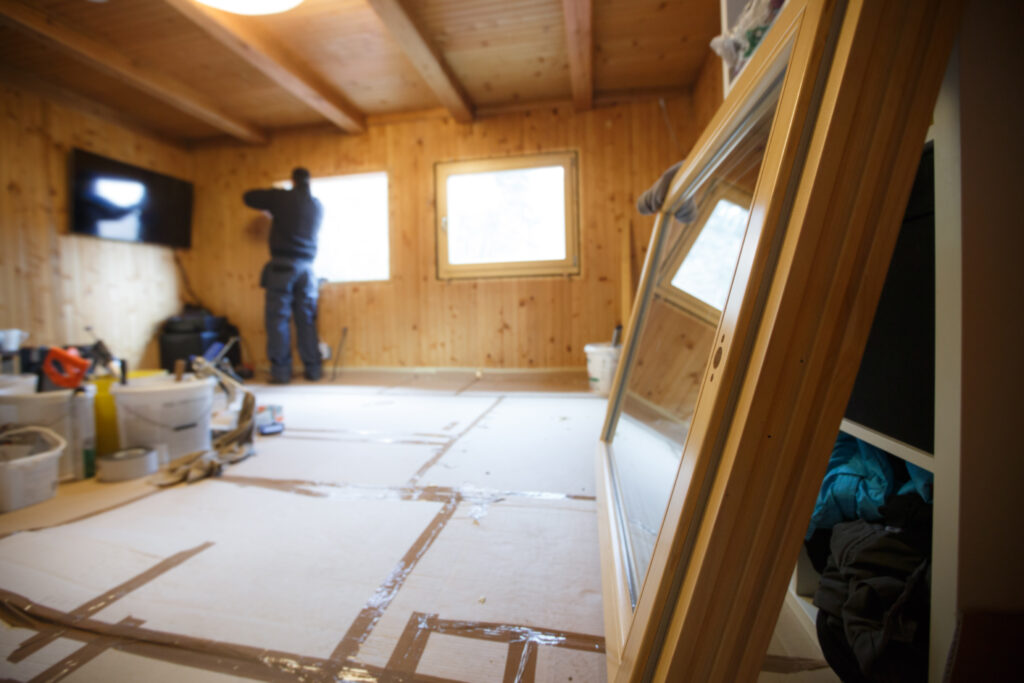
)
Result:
{"points": [[190, 73]]}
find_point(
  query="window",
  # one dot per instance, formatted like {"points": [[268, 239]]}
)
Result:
{"points": [[353, 245], [701, 273], [507, 217]]}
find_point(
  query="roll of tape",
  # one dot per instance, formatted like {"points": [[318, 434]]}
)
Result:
{"points": [[130, 463]]}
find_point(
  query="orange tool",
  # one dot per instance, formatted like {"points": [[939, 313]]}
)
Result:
{"points": [[66, 369]]}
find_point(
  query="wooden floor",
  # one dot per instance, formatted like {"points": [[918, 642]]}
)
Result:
{"points": [[407, 526]]}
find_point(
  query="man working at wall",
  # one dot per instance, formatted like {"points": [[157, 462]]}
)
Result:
{"points": [[288, 278]]}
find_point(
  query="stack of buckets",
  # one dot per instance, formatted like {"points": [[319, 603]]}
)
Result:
{"points": [[152, 410], [66, 412]]}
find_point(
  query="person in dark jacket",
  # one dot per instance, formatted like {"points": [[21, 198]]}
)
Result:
{"points": [[291, 287]]}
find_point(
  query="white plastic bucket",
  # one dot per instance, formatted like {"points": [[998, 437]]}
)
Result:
{"points": [[17, 384], [170, 417], [602, 360], [68, 413], [29, 479]]}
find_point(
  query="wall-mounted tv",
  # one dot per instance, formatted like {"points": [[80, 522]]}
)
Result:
{"points": [[118, 201]]}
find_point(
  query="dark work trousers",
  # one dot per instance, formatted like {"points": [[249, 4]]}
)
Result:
{"points": [[291, 291]]}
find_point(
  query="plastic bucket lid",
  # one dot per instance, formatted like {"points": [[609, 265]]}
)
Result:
{"points": [[164, 385], [17, 384], [44, 397], [604, 348]]}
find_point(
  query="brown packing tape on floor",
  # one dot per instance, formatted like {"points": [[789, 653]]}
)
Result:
{"points": [[523, 641], [434, 494], [521, 664], [285, 485], [361, 628], [507, 633], [366, 492], [447, 447], [80, 657], [199, 653], [240, 660], [87, 609]]}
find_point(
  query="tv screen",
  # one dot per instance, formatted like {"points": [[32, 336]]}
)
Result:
{"points": [[118, 201]]}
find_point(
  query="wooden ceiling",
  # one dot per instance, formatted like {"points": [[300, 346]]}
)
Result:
{"points": [[189, 72]]}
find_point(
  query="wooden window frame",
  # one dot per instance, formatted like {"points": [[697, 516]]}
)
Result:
{"points": [[679, 297], [570, 265], [861, 77]]}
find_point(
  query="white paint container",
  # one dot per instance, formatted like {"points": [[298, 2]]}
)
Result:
{"points": [[602, 359], [69, 414], [29, 479], [170, 417], [133, 463], [17, 384]]}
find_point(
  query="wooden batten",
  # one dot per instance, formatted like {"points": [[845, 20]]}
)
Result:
{"points": [[169, 90], [579, 36], [277, 63], [425, 57], [63, 96]]}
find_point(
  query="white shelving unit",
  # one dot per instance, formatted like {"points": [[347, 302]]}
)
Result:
{"points": [[888, 444], [944, 463]]}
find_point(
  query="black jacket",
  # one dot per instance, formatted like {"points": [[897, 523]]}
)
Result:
{"points": [[874, 595], [297, 215]]}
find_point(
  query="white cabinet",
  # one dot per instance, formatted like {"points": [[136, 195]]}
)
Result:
{"points": [[943, 460]]}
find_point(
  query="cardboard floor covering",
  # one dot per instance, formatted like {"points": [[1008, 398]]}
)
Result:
{"points": [[406, 527], [387, 535]]}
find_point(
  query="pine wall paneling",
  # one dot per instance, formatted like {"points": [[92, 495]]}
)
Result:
{"points": [[662, 375], [416, 320], [54, 283]]}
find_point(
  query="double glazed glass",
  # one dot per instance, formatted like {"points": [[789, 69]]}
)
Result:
{"points": [[692, 273]]}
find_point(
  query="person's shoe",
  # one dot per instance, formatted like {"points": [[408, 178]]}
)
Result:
{"points": [[313, 374], [279, 380]]}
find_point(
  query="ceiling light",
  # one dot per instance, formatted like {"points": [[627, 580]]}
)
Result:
{"points": [[252, 6]]}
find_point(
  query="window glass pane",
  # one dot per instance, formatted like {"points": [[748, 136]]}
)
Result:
{"points": [[506, 216], [353, 243], [706, 272]]}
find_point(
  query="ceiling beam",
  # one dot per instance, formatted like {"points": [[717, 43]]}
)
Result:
{"points": [[268, 56], [23, 80], [127, 70], [579, 37], [425, 58]]}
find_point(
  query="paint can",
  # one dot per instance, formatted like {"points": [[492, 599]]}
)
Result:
{"points": [[170, 417], [131, 463], [602, 359]]}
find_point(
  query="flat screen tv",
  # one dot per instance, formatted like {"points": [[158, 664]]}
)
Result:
{"points": [[118, 201]]}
